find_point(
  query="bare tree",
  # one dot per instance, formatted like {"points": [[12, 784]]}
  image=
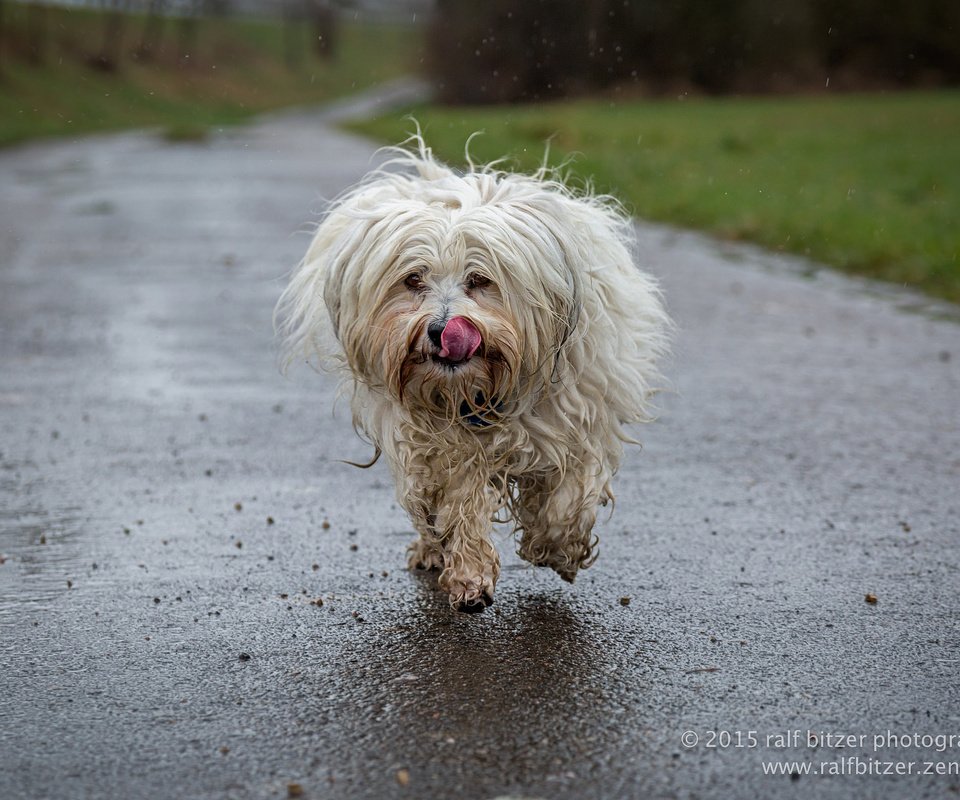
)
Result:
{"points": [[188, 33], [152, 30], [187, 44], [36, 32], [1, 38], [292, 11], [324, 28], [114, 21]]}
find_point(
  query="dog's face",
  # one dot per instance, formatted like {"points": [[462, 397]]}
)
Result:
{"points": [[436, 330], [453, 296]]}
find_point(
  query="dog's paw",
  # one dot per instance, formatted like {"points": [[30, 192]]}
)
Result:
{"points": [[566, 572], [472, 605], [469, 595], [565, 556], [564, 569], [423, 555]]}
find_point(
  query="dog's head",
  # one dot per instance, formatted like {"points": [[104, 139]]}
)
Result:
{"points": [[454, 293]]}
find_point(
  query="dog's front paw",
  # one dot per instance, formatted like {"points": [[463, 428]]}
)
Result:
{"points": [[563, 568], [474, 606], [565, 557], [567, 573], [470, 595]]}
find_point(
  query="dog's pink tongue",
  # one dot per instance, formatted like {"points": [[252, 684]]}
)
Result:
{"points": [[459, 340]]}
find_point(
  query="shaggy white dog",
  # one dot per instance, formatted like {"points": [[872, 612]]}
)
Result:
{"points": [[496, 338]]}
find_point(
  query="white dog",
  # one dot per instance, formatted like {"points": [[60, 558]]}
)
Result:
{"points": [[496, 339]]}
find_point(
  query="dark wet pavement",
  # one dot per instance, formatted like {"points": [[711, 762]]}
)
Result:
{"points": [[172, 509]]}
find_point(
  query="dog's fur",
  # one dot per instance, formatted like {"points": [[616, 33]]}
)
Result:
{"points": [[530, 427]]}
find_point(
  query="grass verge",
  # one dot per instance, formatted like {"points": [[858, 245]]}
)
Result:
{"points": [[869, 184], [221, 71]]}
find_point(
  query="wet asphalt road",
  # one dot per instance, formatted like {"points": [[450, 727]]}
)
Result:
{"points": [[171, 509]]}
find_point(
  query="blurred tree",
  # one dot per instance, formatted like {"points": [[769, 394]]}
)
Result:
{"points": [[292, 12], [187, 32], [506, 51], [904, 41], [36, 33], [325, 29], [111, 45], [152, 33]]}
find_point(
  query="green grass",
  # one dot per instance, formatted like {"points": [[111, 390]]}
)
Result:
{"points": [[869, 184], [237, 69]]}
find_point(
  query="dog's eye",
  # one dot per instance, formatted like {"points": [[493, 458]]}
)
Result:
{"points": [[414, 281], [477, 281]]}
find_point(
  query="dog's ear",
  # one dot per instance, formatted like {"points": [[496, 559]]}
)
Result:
{"points": [[594, 242], [307, 315], [575, 237], [622, 328], [569, 307]]}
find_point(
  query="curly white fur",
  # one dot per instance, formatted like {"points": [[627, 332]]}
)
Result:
{"points": [[531, 427]]}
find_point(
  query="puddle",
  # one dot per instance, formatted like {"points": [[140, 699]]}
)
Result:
{"points": [[41, 549]]}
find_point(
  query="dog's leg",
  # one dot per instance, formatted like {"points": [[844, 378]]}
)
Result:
{"points": [[472, 566], [471, 563], [456, 540], [556, 513], [426, 551]]}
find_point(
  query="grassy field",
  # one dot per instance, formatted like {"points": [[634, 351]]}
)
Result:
{"points": [[238, 67], [866, 183]]}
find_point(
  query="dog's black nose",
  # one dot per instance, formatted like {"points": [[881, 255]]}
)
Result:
{"points": [[435, 329]]}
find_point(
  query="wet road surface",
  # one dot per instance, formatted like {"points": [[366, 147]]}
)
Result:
{"points": [[198, 599]]}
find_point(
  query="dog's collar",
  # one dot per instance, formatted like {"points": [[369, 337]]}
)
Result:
{"points": [[488, 416]]}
